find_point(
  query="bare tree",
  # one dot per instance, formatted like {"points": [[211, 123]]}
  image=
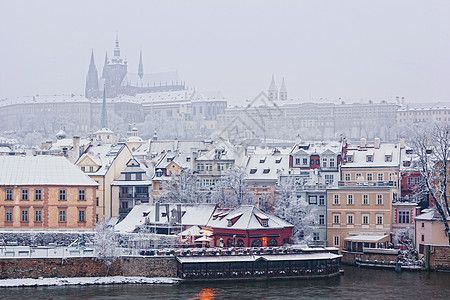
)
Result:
{"points": [[105, 244], [182, 188], [232, 189], [431, 146], [295, 211]]}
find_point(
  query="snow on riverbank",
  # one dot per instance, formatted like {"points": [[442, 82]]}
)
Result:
{"points": [[28, 282]]}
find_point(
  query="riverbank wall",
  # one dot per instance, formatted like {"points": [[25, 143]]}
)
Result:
{"points": [[87, 267], [437, 258], [351, 258]]}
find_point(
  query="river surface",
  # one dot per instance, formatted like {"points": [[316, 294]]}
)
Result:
{"points": [[355, 284]]}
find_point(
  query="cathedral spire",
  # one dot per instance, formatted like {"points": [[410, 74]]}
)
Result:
{"points": [[141, 66], [273, 90], [91, 89], [104, 120], [283, 91]]}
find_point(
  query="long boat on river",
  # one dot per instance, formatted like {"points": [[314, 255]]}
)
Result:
{"points": [[259, 267]]}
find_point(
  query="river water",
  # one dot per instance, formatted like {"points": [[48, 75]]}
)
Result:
{"points": [[355, 284]]}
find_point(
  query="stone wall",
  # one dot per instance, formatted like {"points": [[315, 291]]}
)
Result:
{"points": [[437, 258], [87, 267]]}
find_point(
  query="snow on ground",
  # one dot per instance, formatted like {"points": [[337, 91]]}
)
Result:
{"points": [[29, 282]]}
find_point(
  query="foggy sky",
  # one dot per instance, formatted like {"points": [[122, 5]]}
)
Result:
{"points": [[349, 49]]}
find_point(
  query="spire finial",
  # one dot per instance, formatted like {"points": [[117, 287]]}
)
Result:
{"points": [[116, 48]]}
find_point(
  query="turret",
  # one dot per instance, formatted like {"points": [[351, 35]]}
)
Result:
{"points": [[273, 91], [141, 66], [92, 79], [283, 92]]}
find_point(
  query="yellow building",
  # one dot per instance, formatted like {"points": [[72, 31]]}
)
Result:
{"points": [[104, 163], [355, 210], [43, 193]]}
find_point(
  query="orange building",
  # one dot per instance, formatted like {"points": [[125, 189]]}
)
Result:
{"points": [[43, 193]]}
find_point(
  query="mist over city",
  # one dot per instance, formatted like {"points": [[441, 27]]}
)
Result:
{"points": [[255, 149]]}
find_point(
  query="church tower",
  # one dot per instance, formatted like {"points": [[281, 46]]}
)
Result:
{"points": [[91, 90], [114, 71], [273, 91], [141, 66], [283, 92]]}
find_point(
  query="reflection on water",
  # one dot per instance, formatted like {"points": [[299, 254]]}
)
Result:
{"points": [[355, 284], [205, 294]]}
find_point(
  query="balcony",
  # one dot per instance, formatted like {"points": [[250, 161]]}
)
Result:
{"points": [[134, 196], [366, 184]]}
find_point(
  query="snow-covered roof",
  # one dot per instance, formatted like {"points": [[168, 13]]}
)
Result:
{"points": [[103, 156], [44, 99], [41, 170], [246, 217], [192, 214], [429, 214], [250, 258], [318, 147], [378, 156], [226, 149], [265, 167], [151, 79], [367, 238], [67, 143]]}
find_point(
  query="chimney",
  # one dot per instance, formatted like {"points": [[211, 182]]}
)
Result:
{"points": [[402, 143], [362, 143], [76, 146], [377, 143]]}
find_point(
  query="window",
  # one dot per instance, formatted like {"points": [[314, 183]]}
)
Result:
{"points": [[62, 216], [24, 194], [62, 195], [37, 194], [312, 199], [96, 201], [81, 194], [369, 158], [331, 162], [416, 180], [329, 179], [336, 219], [81, 216], [321, 219], [369, 177], [321, 200], [91, 169], [349, 219], [388, 158], [324, 162], [9, 214], [264, 223], [8, 194], [305, 161], [379, 220], [349, 158], [297, 161], [38, 215], [365, 199], [379, 199], [316, 236], [24, 215], [318, 162], [336, 199], [200, 167], [350, 199], [220, 166], [358, 175], [410, 180], [209, 167], [422, 238], [380, 177], [138, 176], [403, 217], [127, 176], [423, 225], [83, 169], [347, 177], [365, 220], [336, 240]]}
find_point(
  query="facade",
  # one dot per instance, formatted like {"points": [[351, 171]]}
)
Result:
{"points": [[247, 226], [430, 230], [354, 210], [423, 113], [45, 193], [104, 163], [131, 188]]}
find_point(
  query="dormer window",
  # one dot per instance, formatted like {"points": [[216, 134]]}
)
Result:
{"points": [[406, 163], [369, 158], [265, 222], [349, 158], [388, 158], [409, 151], [159, 173], [278, 160], [253, 171], [266, 171], [230, 223], [262, 160]]}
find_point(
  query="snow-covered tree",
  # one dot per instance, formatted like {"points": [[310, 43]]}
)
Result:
{"points": [[431, 145], [182, 188], [294, 210], [232, 189], [105, 244]]}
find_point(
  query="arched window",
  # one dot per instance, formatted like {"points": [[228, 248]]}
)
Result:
{"points": [[230, 242], [240, 243], [272, 242], [256, 243]]}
